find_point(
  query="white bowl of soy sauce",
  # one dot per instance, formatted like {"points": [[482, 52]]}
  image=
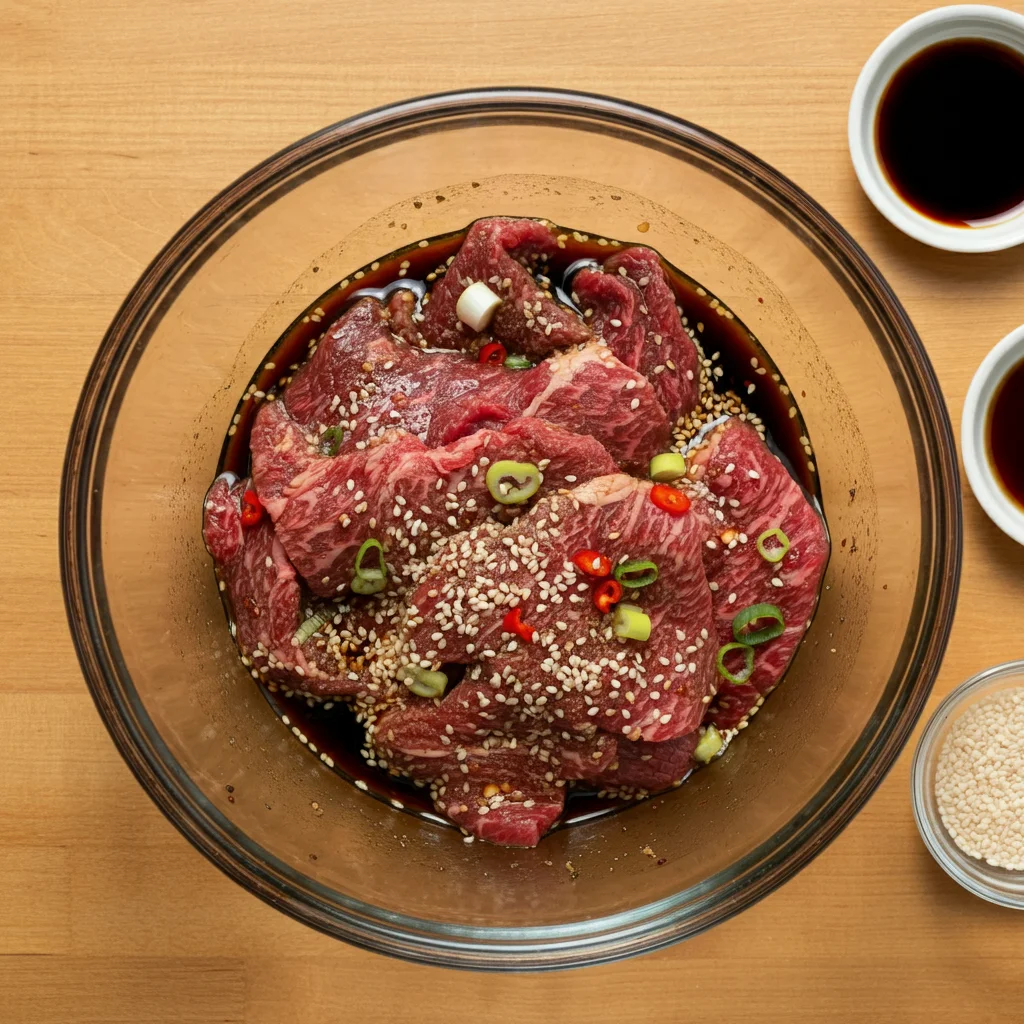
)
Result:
{"points": [[991, 438], [936, 128]]}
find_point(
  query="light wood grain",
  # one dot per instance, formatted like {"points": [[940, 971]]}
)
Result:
{"points": [[119, 119]]}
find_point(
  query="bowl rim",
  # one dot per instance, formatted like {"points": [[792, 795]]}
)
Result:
{"points": [[957, 21], [962, 868], [991, 494], [640, 929]]}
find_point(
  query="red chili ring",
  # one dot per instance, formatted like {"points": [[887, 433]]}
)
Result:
{"points": [[493, 352]]}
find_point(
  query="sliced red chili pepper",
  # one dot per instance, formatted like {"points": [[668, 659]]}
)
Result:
{"points": [[593, 563], [252, 508], [513, 623], [607, 595], [493, 352], [670, 499]]}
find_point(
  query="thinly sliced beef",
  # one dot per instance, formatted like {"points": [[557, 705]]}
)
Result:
{"points": [[429, 729], [499, 781], [633, 308], [577, 671], [650, 766], [319, 390], [742, 491], [365, 381], [397, 490], [266, 602], [529, 320], [463, 784], [591, 392]]}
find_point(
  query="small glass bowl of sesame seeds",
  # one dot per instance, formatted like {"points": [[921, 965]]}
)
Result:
{"points": [[967, 785]]}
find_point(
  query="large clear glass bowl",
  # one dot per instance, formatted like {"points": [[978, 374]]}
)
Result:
{"points": [[150, 631]]}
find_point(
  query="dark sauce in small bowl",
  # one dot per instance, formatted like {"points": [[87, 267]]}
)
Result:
{"points": [[740, 365], [1004, 434], [950, 131]]}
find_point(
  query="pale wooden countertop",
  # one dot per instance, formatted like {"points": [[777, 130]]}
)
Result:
{"points": [[117, 121]]}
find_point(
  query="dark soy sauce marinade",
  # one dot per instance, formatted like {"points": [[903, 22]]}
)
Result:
{"points": [[330, 728], [950, 131], [1004, 433]]}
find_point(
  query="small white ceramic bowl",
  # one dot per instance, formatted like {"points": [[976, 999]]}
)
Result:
{"points": [[1002, 510], [962, 21]]}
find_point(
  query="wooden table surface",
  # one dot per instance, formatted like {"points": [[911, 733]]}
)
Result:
{"points": [[117, 121]]}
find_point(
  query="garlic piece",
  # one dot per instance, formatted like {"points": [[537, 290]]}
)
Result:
{"points": [[476, 306]]}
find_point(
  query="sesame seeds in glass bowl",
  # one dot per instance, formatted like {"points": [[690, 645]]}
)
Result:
{"points": [[968, 785]]}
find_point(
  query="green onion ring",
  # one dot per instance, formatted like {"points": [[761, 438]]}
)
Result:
{"points": [[364, 573], [775, 554], [312, 625], [423, 682], [709, 745], [362, 585], [518, 362], [754, 613], [631, 623], [748, 663], [525, 474], [626, 573], [667, 467]]}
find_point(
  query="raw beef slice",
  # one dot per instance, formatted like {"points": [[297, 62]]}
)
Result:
{"points": [[266, 602], [650, 766], [576, 672], [493, 790], [396, 490], [505, 787], [529, 320], [742, 490], [631, 305], [364, 381]]}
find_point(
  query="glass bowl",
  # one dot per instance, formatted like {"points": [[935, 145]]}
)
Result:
{"points": [[997, 885], [143, 603]]}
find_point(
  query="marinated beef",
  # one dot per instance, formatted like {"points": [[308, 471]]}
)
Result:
{"points": [[362, 381], [504, 253], [631, 306]]}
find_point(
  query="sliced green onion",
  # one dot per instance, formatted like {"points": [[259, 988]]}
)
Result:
{"points": [[518, 362], [638, 573], [362, 585], [631, 623], [709, 745], [668, 467], [371, 572], [423, 682], [775, 554], [755, 613], [312, 625], [526, 477], [748, 663], [330, 440]]}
